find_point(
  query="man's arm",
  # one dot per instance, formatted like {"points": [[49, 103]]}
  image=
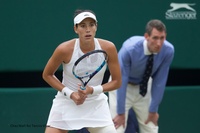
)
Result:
{"points": [[159, 81]]}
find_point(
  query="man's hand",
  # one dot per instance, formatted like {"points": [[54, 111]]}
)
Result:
{"points": [[119, 120], [153, 117]]}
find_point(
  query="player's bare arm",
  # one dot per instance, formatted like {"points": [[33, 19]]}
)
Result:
{"points": [[61, 54], [113, 65]]}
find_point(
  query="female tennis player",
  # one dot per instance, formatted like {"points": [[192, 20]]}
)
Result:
{"points": [[74, 108]]}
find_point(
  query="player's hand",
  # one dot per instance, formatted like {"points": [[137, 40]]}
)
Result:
{"points": [[119, 120], [152, 117], [88, 90], [78, 98]]}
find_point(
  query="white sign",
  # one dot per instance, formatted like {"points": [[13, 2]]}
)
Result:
{"points": [[188, 13]]}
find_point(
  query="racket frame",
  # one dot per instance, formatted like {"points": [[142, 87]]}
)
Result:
{"points": [[92, 74]]}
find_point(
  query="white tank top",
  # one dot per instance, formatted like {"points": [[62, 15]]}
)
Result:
{"points": [[94, 112], [69, 79]]}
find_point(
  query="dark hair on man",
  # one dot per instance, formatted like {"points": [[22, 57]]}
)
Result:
{"points": [[155, 23]]}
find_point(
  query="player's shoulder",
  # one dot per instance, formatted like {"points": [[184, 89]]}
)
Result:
{"points": [[67, 44], [106, 44], [104, 41], [66, 47]]}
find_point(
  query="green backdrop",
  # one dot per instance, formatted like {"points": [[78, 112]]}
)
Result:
{"points": [[32, 29], [26, 110]]}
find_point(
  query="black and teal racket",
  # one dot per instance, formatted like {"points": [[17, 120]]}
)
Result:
{"points": [[89, 65]]}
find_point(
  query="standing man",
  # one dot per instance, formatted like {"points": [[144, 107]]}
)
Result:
{"points": [[133, 58]]}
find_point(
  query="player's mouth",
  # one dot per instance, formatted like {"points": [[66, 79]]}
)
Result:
{"points": [[88, 36]]}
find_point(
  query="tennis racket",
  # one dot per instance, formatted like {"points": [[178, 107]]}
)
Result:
{"points": [[89, 65]]}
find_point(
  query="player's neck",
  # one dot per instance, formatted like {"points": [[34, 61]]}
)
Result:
{"points": [[87, 46]]}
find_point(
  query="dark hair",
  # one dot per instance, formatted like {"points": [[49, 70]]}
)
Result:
{"points": [[78, 11], [155, 23]]}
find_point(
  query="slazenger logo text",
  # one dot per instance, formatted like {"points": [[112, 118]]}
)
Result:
{"points": [[190, 13]]}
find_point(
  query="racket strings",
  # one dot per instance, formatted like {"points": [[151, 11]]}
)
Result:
{"points": [[89, 64]]}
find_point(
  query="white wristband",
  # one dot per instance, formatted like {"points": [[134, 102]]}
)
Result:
{"points": [[67, 92], [97, 89]]}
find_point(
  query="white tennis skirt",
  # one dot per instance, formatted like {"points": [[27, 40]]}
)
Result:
{"points": [[66, 115]]}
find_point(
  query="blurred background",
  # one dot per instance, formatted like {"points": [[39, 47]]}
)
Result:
{"points": [[30, 30]]}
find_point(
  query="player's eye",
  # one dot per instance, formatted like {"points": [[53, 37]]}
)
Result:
{"points": [[92, 24], [82, 25]]}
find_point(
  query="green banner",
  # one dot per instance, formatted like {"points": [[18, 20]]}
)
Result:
{"points": [[31, 30]]}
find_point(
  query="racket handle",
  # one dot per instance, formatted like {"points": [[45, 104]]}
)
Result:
{"points": [[82, 88]]}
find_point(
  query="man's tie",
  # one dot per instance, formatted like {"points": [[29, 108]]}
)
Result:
{"points": [[147, 74]]}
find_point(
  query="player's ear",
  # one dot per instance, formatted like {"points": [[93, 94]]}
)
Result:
{"points": [[96, 27], [75, 29]]}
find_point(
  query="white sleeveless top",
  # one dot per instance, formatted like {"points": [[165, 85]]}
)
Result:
{"points": [[69, 79], [94, 112]]}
